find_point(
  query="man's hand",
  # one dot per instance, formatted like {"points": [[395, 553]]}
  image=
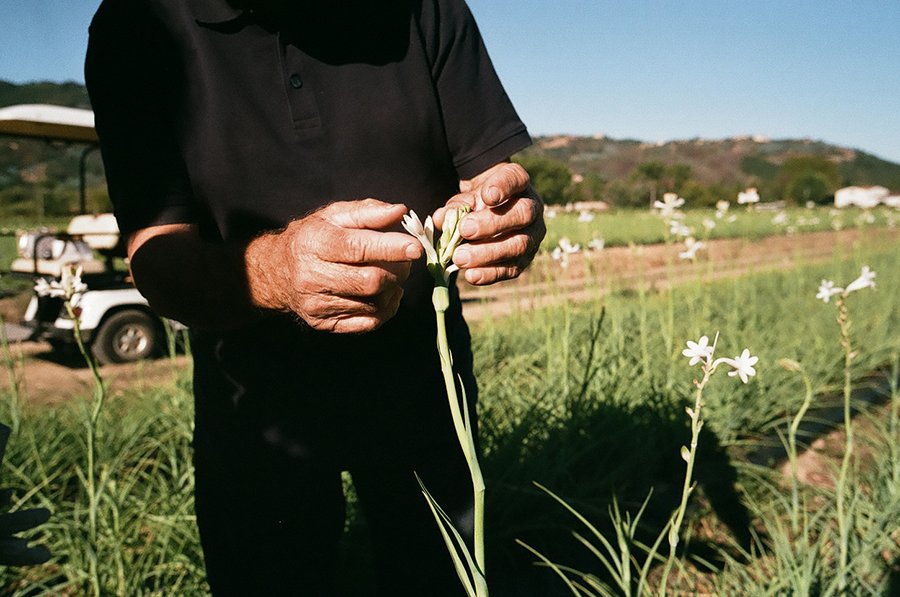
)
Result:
{"points": [[505, 227], [337, 268]]}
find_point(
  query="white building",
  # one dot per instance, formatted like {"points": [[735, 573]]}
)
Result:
{"points": [[864, 197]]}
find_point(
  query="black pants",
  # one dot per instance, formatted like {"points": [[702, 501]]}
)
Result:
{"points": [[269, 457]]}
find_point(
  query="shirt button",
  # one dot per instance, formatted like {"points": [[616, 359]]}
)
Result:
{"points": [[296, 81]]}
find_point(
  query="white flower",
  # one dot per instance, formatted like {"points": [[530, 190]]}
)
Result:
{"points": [[709, 224], [550, 214], [670, 203], [722, 206], [731, 219], [585, 216], [743, 365], [748, 196], [827, 289], [780, 218], [69, 287], [692, 246], [596, 244], [698, 351], [676, 228], [438, 255], [423, 232], [865, 280], [567, 247]]}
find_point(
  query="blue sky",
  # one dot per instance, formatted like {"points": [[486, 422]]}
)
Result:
{"points": [[643, 69]]}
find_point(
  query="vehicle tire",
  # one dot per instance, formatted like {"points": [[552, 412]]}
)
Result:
{"points": [[126, 337]]}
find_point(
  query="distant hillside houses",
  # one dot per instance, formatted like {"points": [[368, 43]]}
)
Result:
{"points": [[865, 197]]}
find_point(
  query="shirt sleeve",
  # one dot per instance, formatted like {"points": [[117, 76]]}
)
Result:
{"points": [[480, 123], [130, 81]]}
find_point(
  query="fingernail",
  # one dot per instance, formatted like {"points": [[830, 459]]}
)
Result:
{"points": [[461, 257], [468, 228], [412, 251], [474, 276], [492, 194]]}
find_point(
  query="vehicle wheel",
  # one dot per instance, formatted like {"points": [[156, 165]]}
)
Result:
{"points": [[125, 337]]}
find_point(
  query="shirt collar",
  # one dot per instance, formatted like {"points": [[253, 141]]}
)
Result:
{"points": [[211, 12]]}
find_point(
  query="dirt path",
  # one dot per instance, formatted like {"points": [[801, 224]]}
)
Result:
{"points": [[46, 379]]}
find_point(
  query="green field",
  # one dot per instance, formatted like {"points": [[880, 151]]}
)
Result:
{"points": [[587, 400], [622, 227]]}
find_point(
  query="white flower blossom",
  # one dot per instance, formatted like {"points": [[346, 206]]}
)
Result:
{"points": [[732, 219], [585, 216], [709, 224], [550, 214], [596, 244], [562, 251], [69, 287], [678, 229], [780, 218], [423, 232], [438, 255], [865, 280], [827, 289], [698, 351], [668, 206], [722, 205], [691, 247], [743, 365]]}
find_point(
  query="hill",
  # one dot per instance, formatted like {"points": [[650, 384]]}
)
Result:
{"points": [[738, 162], [734, 159]]}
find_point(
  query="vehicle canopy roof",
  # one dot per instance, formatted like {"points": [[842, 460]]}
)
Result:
{"points": [[51, 123]]}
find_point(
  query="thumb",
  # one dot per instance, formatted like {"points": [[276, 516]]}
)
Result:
{"points": [[367, 214]]}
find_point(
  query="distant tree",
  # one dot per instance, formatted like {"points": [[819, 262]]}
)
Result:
{"points": [[807, 175], [676, 175], [551, 178], [653, 173], [811, 186], [619, 193], [590, 188]]}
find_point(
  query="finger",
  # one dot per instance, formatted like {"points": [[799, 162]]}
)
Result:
{"points": [[460, 200], [368, 214], [488, 223], [345, 315], [22, 520], [514, 247], [342, 245], [357, 281], [15, 552], [483, 276], [502, 183]]}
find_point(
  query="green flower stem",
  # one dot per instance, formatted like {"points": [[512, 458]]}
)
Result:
{"points": [[689, 456], [461, 423], [792, 451], [91, 473], [843, 320]]}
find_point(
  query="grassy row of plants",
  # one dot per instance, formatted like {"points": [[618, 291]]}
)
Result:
{"points": [[587, 400], [626, 226]]}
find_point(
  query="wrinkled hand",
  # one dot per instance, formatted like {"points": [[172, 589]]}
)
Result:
{"points": [[504, 229], [338, 269]]}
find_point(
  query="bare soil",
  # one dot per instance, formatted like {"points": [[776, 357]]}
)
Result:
{"points": [[46, 378]]}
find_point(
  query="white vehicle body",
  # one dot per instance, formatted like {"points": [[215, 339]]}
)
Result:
{"points": [[93, 305]]}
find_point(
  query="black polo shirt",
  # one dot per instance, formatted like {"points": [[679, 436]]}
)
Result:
{"points": [[242, 118]]}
